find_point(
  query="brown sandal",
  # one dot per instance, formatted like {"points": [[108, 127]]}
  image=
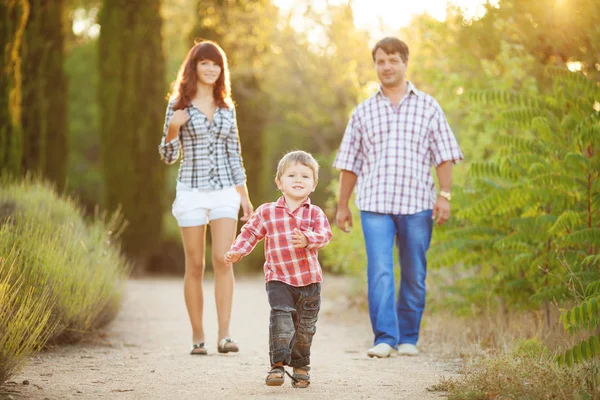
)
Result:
{"points": [[301, 381], [198, 349], [227, 345], [276, 376]]}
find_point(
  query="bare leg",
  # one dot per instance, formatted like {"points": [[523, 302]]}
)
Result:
{"points": [[222, 231], [194, 246]]}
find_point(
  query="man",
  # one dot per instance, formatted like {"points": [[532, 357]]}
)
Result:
{"points": [[389, 145]]}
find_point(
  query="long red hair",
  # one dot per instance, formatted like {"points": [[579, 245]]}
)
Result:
{"points": [[183, 89]]}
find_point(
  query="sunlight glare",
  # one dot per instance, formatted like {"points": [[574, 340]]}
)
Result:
{"points": [[386, 17], [574, 66]]}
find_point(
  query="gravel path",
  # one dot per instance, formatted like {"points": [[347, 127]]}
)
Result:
{"points": [[143, 354]]}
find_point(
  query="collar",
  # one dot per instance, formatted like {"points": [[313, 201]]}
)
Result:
{"points": [[281, 202], [411, 88]]}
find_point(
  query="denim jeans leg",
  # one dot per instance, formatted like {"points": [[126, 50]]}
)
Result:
{"points": [[281, 326], [307, 313], [414, 236], [379, 232]]}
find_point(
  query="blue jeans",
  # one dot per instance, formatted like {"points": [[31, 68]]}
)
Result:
{"points": [[294, 314], [396, 322]]}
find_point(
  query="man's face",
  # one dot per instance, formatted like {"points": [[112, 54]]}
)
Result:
{"points": [[391, 70]]}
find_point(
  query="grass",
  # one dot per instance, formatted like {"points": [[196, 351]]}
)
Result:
{"points": [[60, 275], [528, 373]]}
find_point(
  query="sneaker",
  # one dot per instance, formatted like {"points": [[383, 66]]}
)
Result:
{"points": [[382, 350], [407, 349]]}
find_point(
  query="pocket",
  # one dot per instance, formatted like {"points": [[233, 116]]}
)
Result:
{"points": [[228, 197], [184, 202], [310, 314]]}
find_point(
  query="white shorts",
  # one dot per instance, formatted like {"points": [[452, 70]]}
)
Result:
{"points": [[196, 207]]}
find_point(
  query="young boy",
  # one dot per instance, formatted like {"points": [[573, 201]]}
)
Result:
{"points": [[294, 230]]}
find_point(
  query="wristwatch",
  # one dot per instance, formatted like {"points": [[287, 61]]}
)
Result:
{"points": [[446, 195]]}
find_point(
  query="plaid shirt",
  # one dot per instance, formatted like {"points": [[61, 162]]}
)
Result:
{"points": [[276, 223], [391, 150], [211, 157]]}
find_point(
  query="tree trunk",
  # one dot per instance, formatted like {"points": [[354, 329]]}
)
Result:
{"points": [[13, 19], [45, 144], [132, 103]]}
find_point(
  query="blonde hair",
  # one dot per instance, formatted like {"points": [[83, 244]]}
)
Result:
{"points": [[298, 157]]}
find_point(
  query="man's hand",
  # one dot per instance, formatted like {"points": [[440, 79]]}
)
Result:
{"points": [[441, 210], [299, 240], [343, 217], [247, 207], [232, 257]]}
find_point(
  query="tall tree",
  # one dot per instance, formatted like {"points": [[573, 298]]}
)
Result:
{"points": [[45, 136], [132, 101], [13, 18]]}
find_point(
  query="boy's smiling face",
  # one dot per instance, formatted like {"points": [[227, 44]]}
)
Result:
{"points": [[297, 182]]}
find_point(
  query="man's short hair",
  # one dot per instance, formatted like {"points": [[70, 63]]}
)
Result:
{"points": [[392, 45], [298, 157]]}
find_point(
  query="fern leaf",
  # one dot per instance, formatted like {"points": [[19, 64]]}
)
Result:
{"points": [[586, 237], [593, 289], [493, 170], [566, 221], [585, 350]]}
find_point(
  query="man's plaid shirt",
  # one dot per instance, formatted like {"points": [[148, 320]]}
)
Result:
{"points": [[276, 223], [391, 150], [211, 156]]}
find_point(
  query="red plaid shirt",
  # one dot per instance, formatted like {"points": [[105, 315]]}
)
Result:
{"points": [[276, 223], [391, 150]]}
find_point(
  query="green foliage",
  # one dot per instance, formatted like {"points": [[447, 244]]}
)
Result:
{"points": [[346, 253], [13, 19], [45, 129], [313, 87], [536, 196], [132, 105], [59, 276]]}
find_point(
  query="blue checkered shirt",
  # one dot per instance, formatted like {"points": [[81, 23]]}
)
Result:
{"points": [[211, 156]]}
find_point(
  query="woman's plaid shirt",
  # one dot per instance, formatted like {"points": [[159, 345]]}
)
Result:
{"points": [[391, 150], [276, 223], [211, 156]]}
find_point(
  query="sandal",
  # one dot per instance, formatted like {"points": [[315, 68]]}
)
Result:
{"points": [[301, 381], [227, 345], [198, 349], [276, 376]]}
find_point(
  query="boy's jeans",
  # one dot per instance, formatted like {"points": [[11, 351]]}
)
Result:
{"points": [[294, 312], [396, 323]]}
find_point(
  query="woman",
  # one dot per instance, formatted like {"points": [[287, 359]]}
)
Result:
{"points": [[201, 125]]}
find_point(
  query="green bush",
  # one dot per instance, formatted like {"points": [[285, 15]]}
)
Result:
{"points": [[24, 316], [61, 275]]}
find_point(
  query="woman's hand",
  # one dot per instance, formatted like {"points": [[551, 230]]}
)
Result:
{"points": [[179, 118], [247, 207]]}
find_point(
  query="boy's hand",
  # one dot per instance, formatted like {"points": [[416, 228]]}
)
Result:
{"points": [[232, 257], [299, 240]]}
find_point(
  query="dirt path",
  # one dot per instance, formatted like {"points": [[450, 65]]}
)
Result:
{"points": [[143, 354]]}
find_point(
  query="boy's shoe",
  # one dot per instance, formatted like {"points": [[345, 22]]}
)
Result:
{"points": [[382, 350], [407, 349]]}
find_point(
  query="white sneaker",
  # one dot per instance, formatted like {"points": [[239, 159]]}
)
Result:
{"points": [[382, 350], [407, 349]]}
